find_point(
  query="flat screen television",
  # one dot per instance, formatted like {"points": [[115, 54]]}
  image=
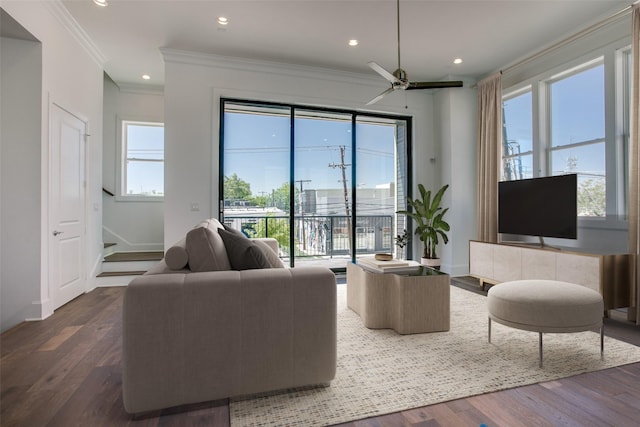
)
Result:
{"points": [[542, 207]]}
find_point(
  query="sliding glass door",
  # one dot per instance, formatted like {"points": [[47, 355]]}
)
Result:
{"points": [[381, 174], [323, 180], [256, 171], [325, 183]]}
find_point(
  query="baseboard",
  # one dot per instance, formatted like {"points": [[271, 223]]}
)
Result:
{"points": [[42, 310]]}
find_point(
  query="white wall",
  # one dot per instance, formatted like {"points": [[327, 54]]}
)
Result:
{"points": [[132, 225], [20, 154], [193, 87], [71, 76], [456, 119]]}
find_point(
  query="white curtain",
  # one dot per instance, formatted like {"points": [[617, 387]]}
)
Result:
{"points": [[489, 155], [634, 161]]}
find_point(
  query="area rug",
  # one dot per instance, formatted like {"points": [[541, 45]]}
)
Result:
{"points": [[380, 371]]}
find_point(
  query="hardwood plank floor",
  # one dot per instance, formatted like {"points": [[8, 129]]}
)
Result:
{"points": [[66, 371]]}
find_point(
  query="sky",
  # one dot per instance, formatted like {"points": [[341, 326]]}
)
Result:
{"points": [[577, 114], [146, 142], [257, 150]]}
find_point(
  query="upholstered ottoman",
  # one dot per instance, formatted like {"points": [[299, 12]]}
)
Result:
{"points": [[546, 306]]}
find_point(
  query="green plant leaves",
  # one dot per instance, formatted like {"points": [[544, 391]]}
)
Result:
{"points": [[428, 216]]}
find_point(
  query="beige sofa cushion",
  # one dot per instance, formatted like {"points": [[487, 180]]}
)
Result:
{"points": [[205, 248]]}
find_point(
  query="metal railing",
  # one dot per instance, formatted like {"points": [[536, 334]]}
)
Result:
{"points": [[319, 236]]}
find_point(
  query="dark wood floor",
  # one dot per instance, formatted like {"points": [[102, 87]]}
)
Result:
{"points": [[66, 371]]}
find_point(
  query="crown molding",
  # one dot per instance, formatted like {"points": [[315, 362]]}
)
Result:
{"points": [[77, 32], [141, 89], [269, 67]]}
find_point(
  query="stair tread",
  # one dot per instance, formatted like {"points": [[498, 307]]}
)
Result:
{"points": [[120, 273], [134, 256]]}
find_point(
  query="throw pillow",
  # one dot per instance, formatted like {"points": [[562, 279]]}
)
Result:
{"points": [[243, 253], [205, 248], [176, 256], [272, 257]]}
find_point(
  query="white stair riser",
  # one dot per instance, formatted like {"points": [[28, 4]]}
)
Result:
{"points": [[109, 281], [128, 266]]}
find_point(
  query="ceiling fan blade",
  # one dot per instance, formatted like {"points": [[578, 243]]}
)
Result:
{"points": [[379, 97], [384, 73], [433, 85]]}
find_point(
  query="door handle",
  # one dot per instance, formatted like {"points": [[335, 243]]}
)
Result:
{"points": [[56, 232]]}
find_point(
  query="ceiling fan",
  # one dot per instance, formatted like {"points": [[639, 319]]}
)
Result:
{"points": [[399, 79]]}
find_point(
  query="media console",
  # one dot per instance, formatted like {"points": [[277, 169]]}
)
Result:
{"points": [[609, 274]]}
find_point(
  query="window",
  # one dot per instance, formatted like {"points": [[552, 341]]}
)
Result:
{"points": [[142, 167], [574, 119], [517, 159], [326, 183], [577, 143]]}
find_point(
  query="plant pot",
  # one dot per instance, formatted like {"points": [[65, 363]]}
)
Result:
{"points": [[431, 262]]}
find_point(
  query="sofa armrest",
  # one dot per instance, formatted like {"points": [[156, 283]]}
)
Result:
{"points": [[273, 243]]}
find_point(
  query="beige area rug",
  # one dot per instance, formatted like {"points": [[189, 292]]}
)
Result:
{"points": [[380, 372]]}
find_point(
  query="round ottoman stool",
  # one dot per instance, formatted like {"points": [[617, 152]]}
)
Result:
{"points": [[546, 306]]}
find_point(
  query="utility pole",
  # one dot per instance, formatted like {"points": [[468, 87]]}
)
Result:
{"points": [[304, 240], [343, 166]]}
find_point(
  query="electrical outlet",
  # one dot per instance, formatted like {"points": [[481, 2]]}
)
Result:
{"points": [[195, 207]]}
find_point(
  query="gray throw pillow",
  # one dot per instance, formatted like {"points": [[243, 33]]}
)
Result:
{"points": [[272, 257], [243, 253], [205, 248]]}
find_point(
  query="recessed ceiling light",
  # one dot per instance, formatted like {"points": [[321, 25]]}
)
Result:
{"points": [[146, 76], [222, 20], [457, 61], [101, 3], [353, 42]]}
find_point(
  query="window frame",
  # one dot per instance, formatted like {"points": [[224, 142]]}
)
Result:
{"points": [[316, 111], [121, 163]]}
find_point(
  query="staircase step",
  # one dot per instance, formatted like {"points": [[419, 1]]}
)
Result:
{"points": [[109, 248], [119, 268], [134, 256], [116, 266], [120, 273], [106, 279]]}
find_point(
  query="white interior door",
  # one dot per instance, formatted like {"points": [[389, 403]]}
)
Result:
{"points": [[67, 207]]}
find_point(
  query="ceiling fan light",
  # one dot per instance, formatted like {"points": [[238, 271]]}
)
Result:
{"points": [[457, 61], [222, 20], [353, 42], [101, 3]]}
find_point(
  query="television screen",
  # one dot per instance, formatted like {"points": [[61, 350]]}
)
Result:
{"points": [[544, 207]]}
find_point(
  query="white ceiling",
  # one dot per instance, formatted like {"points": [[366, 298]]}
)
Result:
{"points": [[487, 35]]}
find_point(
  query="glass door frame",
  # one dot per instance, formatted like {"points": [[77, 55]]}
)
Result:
{"points": [[355, 114]]}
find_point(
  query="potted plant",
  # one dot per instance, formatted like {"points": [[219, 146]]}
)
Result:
{"points": [[401, 241], [430, 225]]}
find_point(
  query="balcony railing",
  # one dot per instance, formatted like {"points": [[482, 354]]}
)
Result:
{"points": [[320, 236]]}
